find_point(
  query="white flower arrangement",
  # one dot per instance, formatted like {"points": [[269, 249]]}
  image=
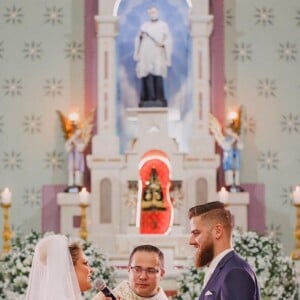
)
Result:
{"points": [[15, 266], [275, 272]]}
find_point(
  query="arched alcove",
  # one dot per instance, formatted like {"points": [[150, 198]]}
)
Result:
{"points": [[131, 15], [118, 2]]}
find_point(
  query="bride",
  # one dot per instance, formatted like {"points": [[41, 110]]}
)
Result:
{"points": [[58, 271]]}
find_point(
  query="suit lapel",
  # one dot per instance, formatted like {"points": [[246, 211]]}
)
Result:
{"points": [[210, 286]]}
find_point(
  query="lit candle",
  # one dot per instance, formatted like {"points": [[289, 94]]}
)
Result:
{"points": [[84, 196], [223, 195], [296, 195], [232, 115], [74, 117], [6, 196]]}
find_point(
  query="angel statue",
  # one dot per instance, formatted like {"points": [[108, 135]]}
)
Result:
{"points": [[232, 145], [77, 136]]}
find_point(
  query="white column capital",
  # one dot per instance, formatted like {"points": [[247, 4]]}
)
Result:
{"points": [[106, 26], [200, 6], [201, 26]]}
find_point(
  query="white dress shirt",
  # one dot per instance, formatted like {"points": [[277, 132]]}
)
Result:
{"points": [[214, 264]]}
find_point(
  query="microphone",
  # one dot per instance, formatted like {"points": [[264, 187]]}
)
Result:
{"points": [[100, 285]]}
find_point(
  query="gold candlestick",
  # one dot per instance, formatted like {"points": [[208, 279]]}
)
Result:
{"points": [[7, 233], [296, 252], [83, 225]]}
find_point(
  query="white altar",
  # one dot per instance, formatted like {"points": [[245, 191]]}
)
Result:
{"points": [[114, 175]]}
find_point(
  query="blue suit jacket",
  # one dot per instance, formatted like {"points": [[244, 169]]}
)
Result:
{"points": [[233, 279]]}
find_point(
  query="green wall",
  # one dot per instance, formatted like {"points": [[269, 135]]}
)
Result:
{"points": [[41, 71]]}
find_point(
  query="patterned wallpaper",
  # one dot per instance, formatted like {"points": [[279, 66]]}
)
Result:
{"points": [[262, 71], [41, 71]]}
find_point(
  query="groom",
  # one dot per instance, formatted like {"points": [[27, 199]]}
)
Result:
{"points": [[229, 277]]}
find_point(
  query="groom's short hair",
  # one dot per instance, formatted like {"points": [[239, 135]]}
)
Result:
{"points": [[213, 211]]}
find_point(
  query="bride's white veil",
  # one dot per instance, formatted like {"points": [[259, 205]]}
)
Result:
{"points": [[52, 275]]}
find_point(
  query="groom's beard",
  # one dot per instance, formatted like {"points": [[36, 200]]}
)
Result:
{"points": [[205, 255]]}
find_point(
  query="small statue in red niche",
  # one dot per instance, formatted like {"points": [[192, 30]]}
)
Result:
{"points": [[153, 195], [154, 204]]}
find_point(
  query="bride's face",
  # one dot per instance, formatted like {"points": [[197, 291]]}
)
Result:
{"points": [[83, 272]]}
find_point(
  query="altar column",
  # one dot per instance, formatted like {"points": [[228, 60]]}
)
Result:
{"points": [[201, 28], [106, 119]]}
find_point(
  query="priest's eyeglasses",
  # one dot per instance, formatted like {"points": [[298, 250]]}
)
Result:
{"points": [[139, 270]]}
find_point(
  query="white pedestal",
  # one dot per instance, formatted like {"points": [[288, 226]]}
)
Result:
{"points": [[69, 210], [238, 205]]}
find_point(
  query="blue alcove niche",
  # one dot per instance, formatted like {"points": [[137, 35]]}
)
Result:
{"points": [[131, 14]]}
